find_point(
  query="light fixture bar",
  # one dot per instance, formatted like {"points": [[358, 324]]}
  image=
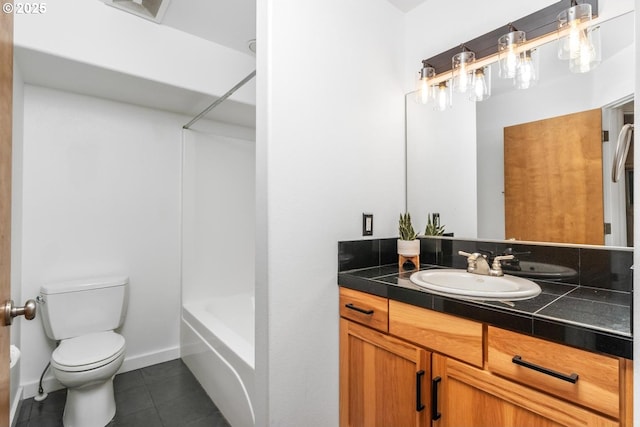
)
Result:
{"points": [[528, 45], [537, 24]]}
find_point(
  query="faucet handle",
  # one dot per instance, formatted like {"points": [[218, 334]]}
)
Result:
{"points": [[496, 261], [474, 256], [510, 251]]}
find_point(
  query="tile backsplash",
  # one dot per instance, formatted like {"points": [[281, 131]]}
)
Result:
{"points": [[597, 267]]}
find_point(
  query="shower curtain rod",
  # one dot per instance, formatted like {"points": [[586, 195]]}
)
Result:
{"points": [[221, 99]]}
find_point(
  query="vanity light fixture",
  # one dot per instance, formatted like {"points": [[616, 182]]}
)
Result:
{"points": [[481, 89], [509, 52], [442, 95], [517, 57], [581, 46], [424, 89], [461, 64]]}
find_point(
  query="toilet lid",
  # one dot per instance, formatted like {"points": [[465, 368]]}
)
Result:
{"points": [[87, 351]]}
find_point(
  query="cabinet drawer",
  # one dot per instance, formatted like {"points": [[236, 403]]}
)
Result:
{"points": [[446, 334], [370, 310], [582, 377]]}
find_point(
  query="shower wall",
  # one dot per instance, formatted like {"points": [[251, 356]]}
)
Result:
{"points": [[218, 214]]}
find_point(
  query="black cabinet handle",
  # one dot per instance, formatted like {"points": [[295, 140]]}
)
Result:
{"points": [[419, 405], [435, 415], [572, 378], [358, 309]]}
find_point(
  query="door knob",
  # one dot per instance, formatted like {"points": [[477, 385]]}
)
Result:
{"points": [[10, 311]]}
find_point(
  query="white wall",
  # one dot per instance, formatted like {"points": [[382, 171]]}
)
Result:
{"points": [[440, 139], [329, 147], [218, 215], [101, 183], [94, 33]]}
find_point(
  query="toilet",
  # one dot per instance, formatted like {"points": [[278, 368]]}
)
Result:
{"points": [[82, 315]]}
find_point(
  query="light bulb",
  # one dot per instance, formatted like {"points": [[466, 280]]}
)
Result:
{"points": [[442, 96], [423, 87], [424, 92], [461, 68], [575, 39], [463, 78], [581, 43], [588, 55], [481, 84], [508, 45], [511, 63], [527, 73]]}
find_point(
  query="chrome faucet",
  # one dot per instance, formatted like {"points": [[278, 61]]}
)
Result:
{"points": [[478, 264]]}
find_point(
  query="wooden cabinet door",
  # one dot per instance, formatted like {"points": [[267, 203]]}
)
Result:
{"points": [[467, 396], [383, 380], [553, 180]]}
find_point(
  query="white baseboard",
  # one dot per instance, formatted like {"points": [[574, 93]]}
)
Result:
{"points": [[143, 360], [49, 383]]}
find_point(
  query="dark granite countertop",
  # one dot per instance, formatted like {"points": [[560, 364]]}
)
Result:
{"points": [[590, 318]]}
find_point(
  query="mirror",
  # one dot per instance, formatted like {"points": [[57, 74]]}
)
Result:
{"points": [[455, 158]]}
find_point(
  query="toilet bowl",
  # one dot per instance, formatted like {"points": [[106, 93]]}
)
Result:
{"points": [[82, 316], [86, 365]]}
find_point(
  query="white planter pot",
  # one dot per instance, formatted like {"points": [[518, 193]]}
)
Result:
{"points": [[408, 247]]}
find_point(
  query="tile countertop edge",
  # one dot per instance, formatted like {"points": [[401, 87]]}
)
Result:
{"points": [[564, 333]]}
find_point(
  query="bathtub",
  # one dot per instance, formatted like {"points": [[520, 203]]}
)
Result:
{"points": [[217, 345]]}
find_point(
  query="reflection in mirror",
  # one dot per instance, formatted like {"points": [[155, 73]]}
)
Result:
{"points": [[455, 158]]}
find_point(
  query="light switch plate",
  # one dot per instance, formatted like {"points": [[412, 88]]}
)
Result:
{"points": [[367, 224]]}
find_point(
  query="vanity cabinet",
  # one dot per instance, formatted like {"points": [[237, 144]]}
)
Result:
{"points": [[469, 396], [424, 368], [383, 380]]}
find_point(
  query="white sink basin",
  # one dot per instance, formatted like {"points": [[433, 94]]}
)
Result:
{"points": [[462, 284]]}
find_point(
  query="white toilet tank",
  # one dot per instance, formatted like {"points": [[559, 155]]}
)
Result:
{"points": [[73, 308]]}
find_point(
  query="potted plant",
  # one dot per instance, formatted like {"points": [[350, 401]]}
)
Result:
{"points": [[433, 225], [408, 245], [435, 247]]}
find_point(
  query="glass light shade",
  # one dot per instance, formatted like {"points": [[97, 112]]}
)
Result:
{"points": [[508, 55], [581, 44], [462, 72], [590, 52], [528, 71], [424, 92], [442, 96], [481, 84]]}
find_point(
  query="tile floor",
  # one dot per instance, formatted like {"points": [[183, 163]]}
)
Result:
{"points": [[163, 395]]}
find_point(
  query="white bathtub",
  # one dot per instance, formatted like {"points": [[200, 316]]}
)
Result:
{"points": [[217, 344]]}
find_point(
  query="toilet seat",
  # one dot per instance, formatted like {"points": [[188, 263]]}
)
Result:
{"points": [[87, 352]]}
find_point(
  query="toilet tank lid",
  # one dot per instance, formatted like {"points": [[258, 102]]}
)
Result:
{"points": [[83, 284]]}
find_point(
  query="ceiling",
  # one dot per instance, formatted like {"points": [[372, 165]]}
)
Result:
{"points": [[406, 5], [231, 23]]}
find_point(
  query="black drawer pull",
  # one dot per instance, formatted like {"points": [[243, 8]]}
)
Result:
{"points": [[435, 415], [358, 309], [572, 378], [419, 405]]}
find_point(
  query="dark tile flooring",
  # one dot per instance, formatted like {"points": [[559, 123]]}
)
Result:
{"points": [[163, 395]]}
